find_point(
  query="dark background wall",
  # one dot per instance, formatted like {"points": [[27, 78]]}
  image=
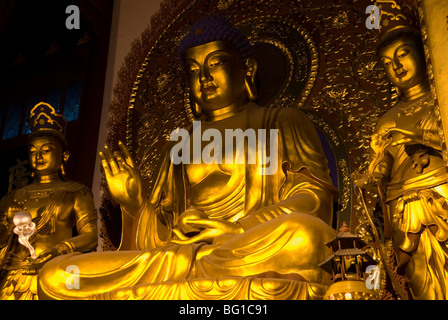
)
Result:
{"points": [[42, 60]]}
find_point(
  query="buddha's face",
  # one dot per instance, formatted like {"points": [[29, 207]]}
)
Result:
{"points": [[45, 155], [404, 63], [216, 75]]}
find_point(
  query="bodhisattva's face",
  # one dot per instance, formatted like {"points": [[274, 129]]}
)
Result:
{"points": [[45, 155], [404, 63], [216, 75]]}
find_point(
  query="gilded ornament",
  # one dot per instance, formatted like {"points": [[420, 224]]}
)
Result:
{"points": [[44, 212]]}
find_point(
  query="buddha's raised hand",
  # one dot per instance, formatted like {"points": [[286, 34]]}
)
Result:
{"points": [[122, 178]]}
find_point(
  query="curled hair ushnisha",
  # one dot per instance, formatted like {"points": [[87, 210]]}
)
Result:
{"points": [[215, 28]]}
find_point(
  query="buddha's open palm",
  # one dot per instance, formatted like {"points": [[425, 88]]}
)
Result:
{"points": [[122, 178]]}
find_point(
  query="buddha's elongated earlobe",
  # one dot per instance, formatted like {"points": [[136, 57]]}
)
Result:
{"points": [[65, 157], [63, 169], [197, 109], [251, 65]]}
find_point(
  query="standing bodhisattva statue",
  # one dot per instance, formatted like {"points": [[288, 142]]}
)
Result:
{"points": [[407, 162], [52, 204]]}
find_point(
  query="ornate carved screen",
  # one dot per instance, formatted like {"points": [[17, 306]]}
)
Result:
{"points": [[315, 55]]}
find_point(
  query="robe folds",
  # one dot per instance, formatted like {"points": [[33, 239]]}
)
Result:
{"points": [[286, 219], [416, 197]]}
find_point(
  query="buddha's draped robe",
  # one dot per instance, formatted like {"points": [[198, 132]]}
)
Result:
{"points": [[289, 241]]}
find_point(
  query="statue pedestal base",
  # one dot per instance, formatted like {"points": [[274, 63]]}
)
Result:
{"points": [[234, 288], [350, 290]]}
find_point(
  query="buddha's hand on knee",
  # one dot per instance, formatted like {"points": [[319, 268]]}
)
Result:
{"points": [[123, 178], [212, 229]]}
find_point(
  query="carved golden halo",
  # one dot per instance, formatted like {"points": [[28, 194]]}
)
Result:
{"points": [[140, 74], [289, 94], [271, 31]]}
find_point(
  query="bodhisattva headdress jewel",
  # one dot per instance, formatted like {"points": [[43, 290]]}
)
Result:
{"points": [[396, 16], [45, 120]]}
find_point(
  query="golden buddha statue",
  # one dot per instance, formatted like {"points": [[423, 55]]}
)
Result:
{"points": [[407, 161], [54, 204], [217, 229]]}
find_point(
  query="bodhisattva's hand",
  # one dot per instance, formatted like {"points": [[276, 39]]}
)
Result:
{"points": [[14, 208], [362, 180], [411, 135], [123, 178], [44, 256], [212, 229], [379, 142], [47, 255]]}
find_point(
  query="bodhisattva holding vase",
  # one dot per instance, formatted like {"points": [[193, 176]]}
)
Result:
{"points": [[219, 230], [37, 221]]}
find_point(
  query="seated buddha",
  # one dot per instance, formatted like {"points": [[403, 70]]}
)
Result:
{"points": [[222, 229], [63, 211]]}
